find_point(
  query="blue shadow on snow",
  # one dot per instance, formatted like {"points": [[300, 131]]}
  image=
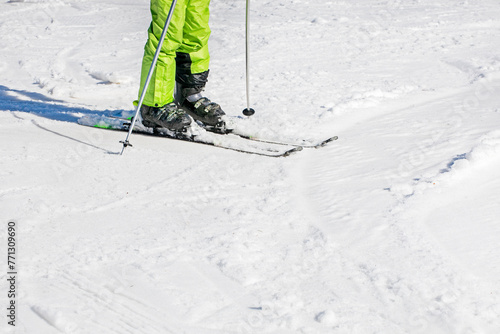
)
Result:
{"points": [[41, 105]]}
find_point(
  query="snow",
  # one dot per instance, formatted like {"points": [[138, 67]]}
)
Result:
{"points": [[391, 229]]}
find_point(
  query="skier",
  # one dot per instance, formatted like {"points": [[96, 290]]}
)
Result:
{"points": [[183, 62]]}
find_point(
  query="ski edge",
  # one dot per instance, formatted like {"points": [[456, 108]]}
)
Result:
{"points": [[318, 145], [256, 139], [121, 124]]}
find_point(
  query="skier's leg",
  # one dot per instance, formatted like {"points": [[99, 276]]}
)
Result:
{"points": [[160, 90], [188, 81], [193, 61], [193, 57], [157, 109]]}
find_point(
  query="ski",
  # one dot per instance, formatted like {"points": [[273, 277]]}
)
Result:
{"points": [[198, 136], [284, 143], [319, 144], [195, 139], [266, 154]]}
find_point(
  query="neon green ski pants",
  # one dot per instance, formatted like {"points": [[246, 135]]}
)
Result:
{"points": [[188, 32]]}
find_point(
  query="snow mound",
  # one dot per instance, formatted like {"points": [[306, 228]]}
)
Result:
{"points": [[487, 150], [484, 154], [108, 78], [482, 157]]}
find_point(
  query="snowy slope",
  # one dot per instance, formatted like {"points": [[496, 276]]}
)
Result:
{"points": [[391, 229]]}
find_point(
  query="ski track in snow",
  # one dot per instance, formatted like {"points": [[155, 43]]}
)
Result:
{"points": [[391, 229], [359, 220]]}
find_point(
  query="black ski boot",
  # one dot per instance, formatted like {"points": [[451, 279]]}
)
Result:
{"points": [[170, 116], [205, 111], [189, 86]]}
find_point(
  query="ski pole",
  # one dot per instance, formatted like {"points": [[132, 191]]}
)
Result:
{"points": [[150, 74], [247, 111]]}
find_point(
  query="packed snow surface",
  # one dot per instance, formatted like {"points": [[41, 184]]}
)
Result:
{"points": [[394, 228]]}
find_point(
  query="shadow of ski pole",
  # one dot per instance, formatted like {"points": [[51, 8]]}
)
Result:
{"points": [[73, 139]]}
